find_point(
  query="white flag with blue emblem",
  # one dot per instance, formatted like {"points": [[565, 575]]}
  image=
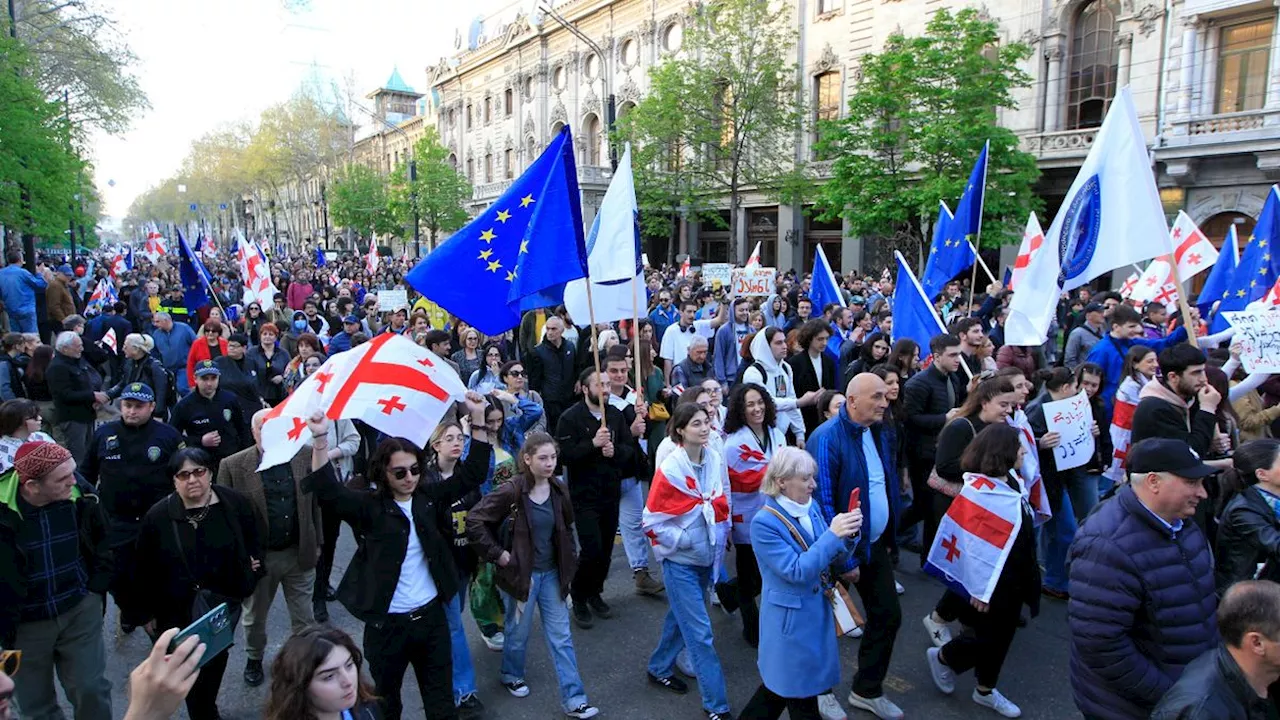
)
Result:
{"points": [[613, 252], [1111, 218]]}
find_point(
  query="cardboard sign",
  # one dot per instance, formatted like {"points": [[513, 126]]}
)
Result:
{"points": [[713, 273], [753, 282], [1072, 419], [390, 300], [1258, 333]]}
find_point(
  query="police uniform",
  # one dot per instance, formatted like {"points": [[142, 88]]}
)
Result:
{"points": [[195, 415], [129, 467]]}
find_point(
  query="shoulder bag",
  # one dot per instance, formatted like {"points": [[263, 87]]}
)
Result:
{"points": [[845, 612], [946, 487]]}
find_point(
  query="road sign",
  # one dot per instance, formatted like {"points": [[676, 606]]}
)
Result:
{"points": [[222, 206], [193, 207]]}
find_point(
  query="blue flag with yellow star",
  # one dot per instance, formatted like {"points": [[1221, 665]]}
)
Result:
{"points": [[1256, 271], [947, 257], [518, 254]]}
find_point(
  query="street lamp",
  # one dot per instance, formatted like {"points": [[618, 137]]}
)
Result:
{"points": [[605, 69], [413, 176]]}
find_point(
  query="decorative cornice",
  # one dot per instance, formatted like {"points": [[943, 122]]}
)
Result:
{"points": [[591, 103], [558, 114], [826, 61], [629, 92], [1149, 15]]}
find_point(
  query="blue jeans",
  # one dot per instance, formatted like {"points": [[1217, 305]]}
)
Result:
{"points": [[464, 673], [687, 625], [630, 509], [1104, 484], [1057, 536], [23, 323], [1084, 494], [544, 593]]}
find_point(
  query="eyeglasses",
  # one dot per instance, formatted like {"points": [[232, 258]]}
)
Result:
{"points": [[10, 661], [198, 473], [400, 473]]}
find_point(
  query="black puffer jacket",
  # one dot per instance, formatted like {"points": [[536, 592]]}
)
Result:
{"points": [[1248, 534]]}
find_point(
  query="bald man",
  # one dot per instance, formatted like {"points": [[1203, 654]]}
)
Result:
{"points": [[855, 451], [290, 532]]}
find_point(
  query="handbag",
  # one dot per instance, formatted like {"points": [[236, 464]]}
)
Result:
{"points": [[942, 485], [658, 411], [205, 599], [846, 615], [507, 528]]}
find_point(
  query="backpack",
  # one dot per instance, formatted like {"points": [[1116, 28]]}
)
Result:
{"points": [[742, 370]]}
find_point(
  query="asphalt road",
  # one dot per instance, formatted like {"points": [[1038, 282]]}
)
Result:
{"points": [[612, 658]]}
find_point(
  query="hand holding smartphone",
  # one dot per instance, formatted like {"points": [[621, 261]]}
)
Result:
{"points": [[215, 629]]}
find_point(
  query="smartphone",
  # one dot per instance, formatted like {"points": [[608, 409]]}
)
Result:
{"points": [[853, 499], [215, 629]]}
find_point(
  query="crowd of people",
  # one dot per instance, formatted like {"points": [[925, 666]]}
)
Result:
{"points": [[764, 454]]}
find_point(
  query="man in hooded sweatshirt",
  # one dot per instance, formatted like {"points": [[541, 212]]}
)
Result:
{"points": [[768, 348], [1181, 404]]}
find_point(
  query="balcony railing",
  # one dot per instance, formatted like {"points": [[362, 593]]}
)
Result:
{"points": [[1225, 127], [1060, 144]]}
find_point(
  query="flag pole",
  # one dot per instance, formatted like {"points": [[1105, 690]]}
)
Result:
{"points": [[595, 356], [985, 267], [1185, 307], [973, 286], [635, 335]]}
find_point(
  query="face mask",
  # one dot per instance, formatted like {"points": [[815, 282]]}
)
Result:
{"points": [[299, 324]]}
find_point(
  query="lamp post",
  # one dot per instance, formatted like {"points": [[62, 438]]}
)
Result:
{"points": [[605, 74], [413, 175]]}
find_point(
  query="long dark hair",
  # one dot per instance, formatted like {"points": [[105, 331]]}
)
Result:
{"points": [[981, 395], [883, 371], [902, 354], [993, 452], [680, 419], [296, 664], [40, 359], [382, 457], [1131, 360], [736, 415], [1246, 461]]}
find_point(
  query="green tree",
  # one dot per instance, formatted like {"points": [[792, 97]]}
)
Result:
{"points": [[358, 202], [917, 119], [442, 192], [721, 117]]}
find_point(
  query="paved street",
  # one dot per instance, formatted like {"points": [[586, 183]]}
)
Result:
{"points": [[612, 658]]}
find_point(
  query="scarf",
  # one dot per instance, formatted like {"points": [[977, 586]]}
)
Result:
{"points": [[747, 462], [1032, 489], [1125, 405], [676, 500], [798, 512]]}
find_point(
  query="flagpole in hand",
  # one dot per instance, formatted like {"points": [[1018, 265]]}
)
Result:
{"points": [[1185, 307], [595, 356]]}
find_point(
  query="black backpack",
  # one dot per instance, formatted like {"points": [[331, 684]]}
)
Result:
{"points": [[742, 370]]}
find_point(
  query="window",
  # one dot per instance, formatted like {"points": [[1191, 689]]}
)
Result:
{"points": [[453, 161], [556, 127], [488, 167], [591, 66], [826, 6], [528, 88], [826, 107], [471, 170], [591, 152], [629, 53], [1094, 62], [469, 116], [488, 110], [453, 118], [508, 101], [510, 162], [559, 77], [672, 37], [1243, 54]]}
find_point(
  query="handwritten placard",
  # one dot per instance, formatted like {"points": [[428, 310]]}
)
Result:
{"points": [[1072, 419], [713, 273], [389, 300], [753, 282], [1258, 333]]}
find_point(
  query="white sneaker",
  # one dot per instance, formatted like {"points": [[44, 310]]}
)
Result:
{"points": [[943, 677], [882, 707], [829, 707], [997, 702], [898, 586], [939, 633], [494, 643], [684, 665]]}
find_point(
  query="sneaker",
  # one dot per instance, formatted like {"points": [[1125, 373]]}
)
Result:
{"points": [[898, 586], [320, 610], [829, 707], [882, 707], [253, 675], [943, 677], [939, 633], [599, 607], [684, 665], [713, 715], [583, 711], [517, 688], [470, 707], [670, 682], [582, 616], [997, 702], [645, 584], [494, 642]]}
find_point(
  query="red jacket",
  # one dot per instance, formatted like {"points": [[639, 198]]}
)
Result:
{"points": [[200, 351], [298, 294]]}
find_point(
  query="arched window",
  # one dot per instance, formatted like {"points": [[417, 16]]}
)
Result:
{"points": [[625, 108], [591, 153], [1094, 63]]}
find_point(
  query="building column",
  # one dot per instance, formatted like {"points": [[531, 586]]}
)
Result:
{"points": [[1053, 90], [1273, 78], [1125, 41], [1186, 74], [851, 252]]}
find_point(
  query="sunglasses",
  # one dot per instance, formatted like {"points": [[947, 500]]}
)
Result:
{"points": [[401, 473], [10, 661], [516, 373], [186, 475]]}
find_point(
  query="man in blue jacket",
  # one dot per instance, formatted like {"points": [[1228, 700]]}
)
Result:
{"points": [[1109, 352], [1142, 588], [173, 344], [18, 287], [854, 451], [728, 344]]}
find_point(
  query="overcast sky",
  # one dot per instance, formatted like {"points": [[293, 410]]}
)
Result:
{"points": [[203, 64]]}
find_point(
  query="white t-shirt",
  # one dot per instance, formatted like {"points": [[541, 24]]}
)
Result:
{"points": [[676, 341], [415, 587]]}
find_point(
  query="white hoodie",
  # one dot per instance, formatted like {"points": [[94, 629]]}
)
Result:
{"points": [[778, 382]]}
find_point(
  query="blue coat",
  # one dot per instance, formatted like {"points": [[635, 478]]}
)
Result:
{"points": [[1142, 607], [798, 653], [18, 288], [1109, 353]]}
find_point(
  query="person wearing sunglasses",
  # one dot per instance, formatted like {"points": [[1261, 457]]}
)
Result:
{"points": [[515, 380], [403, 573], [199, 548]]}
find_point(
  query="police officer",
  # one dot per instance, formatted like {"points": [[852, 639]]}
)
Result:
{"points": [[211, 418], [176, 306], [127, 462]]}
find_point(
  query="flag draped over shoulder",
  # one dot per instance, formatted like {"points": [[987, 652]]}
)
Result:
{"points": [[675, 501], [975, 537], [913, 314], [518, 254], [747, 462]]}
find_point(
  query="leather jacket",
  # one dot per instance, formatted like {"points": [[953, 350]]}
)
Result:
{"points": [[1248, 533]]}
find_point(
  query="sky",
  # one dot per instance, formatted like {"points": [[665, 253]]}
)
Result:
{"points": [[204, 64]]}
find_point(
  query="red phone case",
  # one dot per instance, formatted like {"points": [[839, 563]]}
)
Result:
{"points": [[853, 498]]}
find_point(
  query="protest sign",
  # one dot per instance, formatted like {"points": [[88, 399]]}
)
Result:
{"points": [[1258, 334], [713, 273], [757, 281], [1072, 419], [389, 300]]}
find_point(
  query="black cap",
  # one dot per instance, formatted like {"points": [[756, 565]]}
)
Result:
{"points": [[1094, 307], [1164, 455]]}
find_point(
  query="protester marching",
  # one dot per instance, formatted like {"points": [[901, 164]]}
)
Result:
{"points": [[187, 424]]}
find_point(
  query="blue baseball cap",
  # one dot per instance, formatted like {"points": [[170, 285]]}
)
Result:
{"points": [[65, 269], [206, 367], [138, 391]]}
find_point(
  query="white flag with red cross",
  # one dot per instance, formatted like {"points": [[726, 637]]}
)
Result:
{"points": [[1131, 282], [154, 247], [1192, 251], [975, 537], [1157, 284], [1032, 239], [390, 383], [371, 260]]}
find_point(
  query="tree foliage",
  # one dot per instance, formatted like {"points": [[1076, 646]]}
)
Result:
{"points": [[722, 117], [358, 200], [442, 192], [917, 119]]}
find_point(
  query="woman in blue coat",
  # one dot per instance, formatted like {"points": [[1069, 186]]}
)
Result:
{"points": [[798, 658]]}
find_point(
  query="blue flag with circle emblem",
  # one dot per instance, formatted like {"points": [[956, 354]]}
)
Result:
{"points": [[518, 254]]}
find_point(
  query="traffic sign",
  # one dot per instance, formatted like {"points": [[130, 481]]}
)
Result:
{"points": [[193, 207], [222, 206]]}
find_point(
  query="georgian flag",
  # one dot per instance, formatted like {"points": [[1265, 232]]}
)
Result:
{"points": [[389, 383], [754, 260], [104, 293], [1126, 404], [1157, 283], [747, 462], [1032, 240], [154, 247], [1131, 282], [110, 340], [975, 537], [684, 267], [675, 501], [371, 260], [1191, 249]]}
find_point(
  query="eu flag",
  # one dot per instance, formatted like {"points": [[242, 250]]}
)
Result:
{"points": [[913, 315], [1217, 285], [946, 257], [518, 254], [194, 282], [320, 259], [824, 291], [1256, 271], [968, 215]]}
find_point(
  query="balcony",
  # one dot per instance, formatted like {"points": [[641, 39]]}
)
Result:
{"points": [[1064, 147], [1224, 128]]}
